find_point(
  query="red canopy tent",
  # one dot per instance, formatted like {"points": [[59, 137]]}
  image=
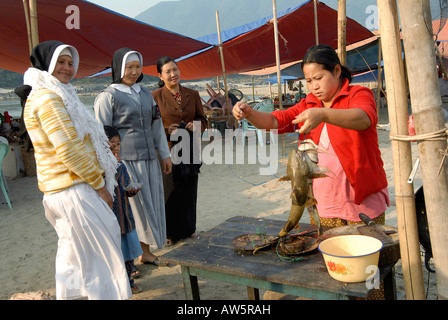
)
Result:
{"points": [[101, 32], [255, 49]]}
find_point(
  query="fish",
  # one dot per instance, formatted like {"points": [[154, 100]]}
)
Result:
{"points": [[301, 169]]}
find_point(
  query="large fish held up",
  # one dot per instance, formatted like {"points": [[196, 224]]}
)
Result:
{"points": [[301, 169]]}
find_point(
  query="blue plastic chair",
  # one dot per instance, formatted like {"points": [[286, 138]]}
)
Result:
{"points": [[4, 148], [266, 105]]}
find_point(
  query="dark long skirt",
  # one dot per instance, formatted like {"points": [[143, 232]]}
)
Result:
{"points": [[180, 208]]}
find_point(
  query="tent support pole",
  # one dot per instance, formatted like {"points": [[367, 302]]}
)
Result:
{"points": [[342, 38], [428, 117], [442, 66], [277, 57], [401, 150], [253, 89], [316, 27], [33, 23], [380, 78], [270, 90], [221, 53], [28, 24]]}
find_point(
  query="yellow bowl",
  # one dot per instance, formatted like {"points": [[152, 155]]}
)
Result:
{"points": [[351, 258]]}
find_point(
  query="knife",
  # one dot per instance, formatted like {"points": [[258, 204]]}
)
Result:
{"points": [[372, 229]]}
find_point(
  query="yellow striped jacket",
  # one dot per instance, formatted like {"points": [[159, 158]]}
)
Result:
{"points": [[62, 158]]}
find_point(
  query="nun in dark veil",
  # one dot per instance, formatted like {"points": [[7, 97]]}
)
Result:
{"points": [[131, 109], [76, 173]]}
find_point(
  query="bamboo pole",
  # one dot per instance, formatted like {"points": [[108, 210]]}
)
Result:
{"points": [[221, 53], [442, 66], [316, 27], [28, 24], [402, 155], [33, 23], [380, 79], [277, 58], [253, 89], [342, 39], [428, 118], [270, 90]]}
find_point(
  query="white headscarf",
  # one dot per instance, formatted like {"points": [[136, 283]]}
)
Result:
{"points": [[128, 57], [64, 50]]}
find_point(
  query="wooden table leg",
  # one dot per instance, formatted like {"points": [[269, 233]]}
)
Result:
{"points": [[253, 293], [390, 292], [191, 286]]}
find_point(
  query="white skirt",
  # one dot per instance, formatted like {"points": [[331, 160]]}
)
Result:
{"points": [[148, 205], [89, 262]]}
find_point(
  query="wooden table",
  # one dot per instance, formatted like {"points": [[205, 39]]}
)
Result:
{"points": [[213, 256]]}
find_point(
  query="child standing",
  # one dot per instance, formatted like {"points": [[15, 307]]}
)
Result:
{"points": [[130, 245]]}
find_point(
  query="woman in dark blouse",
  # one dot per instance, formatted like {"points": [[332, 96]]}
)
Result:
{"points": [[179, 108]]}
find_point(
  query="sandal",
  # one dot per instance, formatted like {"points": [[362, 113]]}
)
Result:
{"points": [[157, 262], [136, 289], [135, 273]]}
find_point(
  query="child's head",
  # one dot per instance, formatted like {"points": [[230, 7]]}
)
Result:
{"points": [[114, 139]]}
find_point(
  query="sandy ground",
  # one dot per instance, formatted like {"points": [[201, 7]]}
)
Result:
{"points": [[28, 242]]}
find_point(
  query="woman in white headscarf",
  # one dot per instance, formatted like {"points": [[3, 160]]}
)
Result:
{"points": [[76, 173], [131, 109]]}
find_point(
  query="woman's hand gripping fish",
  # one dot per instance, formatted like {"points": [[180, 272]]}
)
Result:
{"points": [[299, 170]]}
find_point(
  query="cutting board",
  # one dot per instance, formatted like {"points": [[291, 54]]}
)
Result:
{"points": [[390, 253]]}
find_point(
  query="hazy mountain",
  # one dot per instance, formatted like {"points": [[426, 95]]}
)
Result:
{"points": [[196, 18]]}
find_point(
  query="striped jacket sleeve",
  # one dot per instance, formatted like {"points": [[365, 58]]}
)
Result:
{"points": [[62, 142]]}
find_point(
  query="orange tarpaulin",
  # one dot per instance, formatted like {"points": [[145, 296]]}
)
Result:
{"points": [[101, 32], [255, 49]]}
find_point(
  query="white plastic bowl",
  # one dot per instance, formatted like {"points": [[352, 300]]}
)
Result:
{"points": [[351, 258]]}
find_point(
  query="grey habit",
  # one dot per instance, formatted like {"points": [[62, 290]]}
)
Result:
{"points": [[130, 110]]}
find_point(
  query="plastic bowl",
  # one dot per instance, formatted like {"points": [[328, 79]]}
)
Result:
{"points": [[351, 258]]}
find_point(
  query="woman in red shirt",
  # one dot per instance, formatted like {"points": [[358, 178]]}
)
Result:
{"points": [[341, 119]]}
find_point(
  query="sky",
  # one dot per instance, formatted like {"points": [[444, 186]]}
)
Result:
{"points": [[130, 8]]}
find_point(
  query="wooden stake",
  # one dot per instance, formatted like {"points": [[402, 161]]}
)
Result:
{"points": [[402, 156], [277, 58], [342, 22], [428, 117], [221, 53]]}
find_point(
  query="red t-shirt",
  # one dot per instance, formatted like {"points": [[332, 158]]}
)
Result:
{"points": [[358, 151]]}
